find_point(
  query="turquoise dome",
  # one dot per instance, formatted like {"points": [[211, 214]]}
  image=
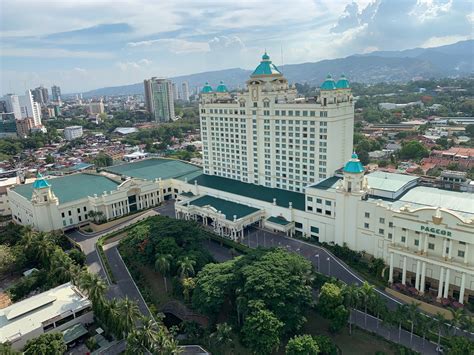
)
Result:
{"points": [[354, 165], [221, 87], [343, 83], [206, 89], [40, 182], [329, 83], [266, 67]]}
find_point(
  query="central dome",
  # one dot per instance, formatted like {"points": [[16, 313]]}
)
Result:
{"points": [[266, 67]]}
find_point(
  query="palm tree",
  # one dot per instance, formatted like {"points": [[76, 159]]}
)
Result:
{"points": [[352, 297], [400, 316], [186, 267], [457, 320], [468, 324], [94, 286], [367, 292], [223, 334], [188, 285], [162, 265], [150, 332], [128, 313], [378, 307], [424, 323], [136, 343], [440, 322], [412, 315]]}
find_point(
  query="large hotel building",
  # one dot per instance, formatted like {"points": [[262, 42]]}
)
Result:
{"points": [[284, 163]]}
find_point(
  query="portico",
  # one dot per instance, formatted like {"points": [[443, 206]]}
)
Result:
{"points": [[225, 218]]}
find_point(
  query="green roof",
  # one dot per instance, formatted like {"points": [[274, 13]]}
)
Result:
{"points": [[187, 194], [72, 187], [262, 193], [328, 84], [40, 182], [343, 83], [75, 332], [278, 220], [354, 165], [155, 168], [221, 87], [389, 181], [327, 184], [266, 67], [206, 89], [228, 208]]}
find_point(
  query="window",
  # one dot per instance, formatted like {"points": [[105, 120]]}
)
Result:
{"points": [[390, 224], [367, 215], [382, 220], [431, 246], [298, 225], [381, 231], [318, 200], [69, 213], [417, 242], [390, 236], [404, 239], [366, 225], [314, 230], [461, 253], [62, 214], [328, 203], [310, 199]]}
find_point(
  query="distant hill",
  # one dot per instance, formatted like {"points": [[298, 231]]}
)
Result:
{"points": [[380, 66]]}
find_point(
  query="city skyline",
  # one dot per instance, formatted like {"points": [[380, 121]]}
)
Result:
{"points": [[82, 48]]}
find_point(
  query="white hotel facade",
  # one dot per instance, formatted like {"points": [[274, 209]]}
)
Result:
{"points": [[273, 159]]}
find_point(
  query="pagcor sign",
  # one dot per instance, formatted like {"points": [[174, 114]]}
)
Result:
{"points": [[433, 230]]}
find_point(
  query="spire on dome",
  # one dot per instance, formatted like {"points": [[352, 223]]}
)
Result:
{"points": [[206, 89], [328, 84], [40, 182], [354, 166], [221, 87], [266, 67]]}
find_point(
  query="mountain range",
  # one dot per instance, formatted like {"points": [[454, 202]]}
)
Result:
{"points": [[380, 66]]}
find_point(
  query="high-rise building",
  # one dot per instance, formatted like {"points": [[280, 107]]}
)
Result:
{"points": [[24, 126], [159, 99], [185, 91], [268, 136], [56, 93], [72, 132], [40, 95], [13, 105], [96, 108], [30, 108], [176, 95]]}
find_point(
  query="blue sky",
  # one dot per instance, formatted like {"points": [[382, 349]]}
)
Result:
{"points": [[84, 44]]}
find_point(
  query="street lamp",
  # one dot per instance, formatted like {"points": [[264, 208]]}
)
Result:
{"points": [[329, 265], [317, 257]]}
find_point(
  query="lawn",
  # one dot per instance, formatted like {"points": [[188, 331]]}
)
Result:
{"points": [[359, 343]]}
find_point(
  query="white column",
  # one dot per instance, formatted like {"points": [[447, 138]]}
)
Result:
{"points": [[466, 252], [445, 241], [450, 254], [390, 275], [417, 277], [463, 286], [425, 246], [446, 284], [420, 242], [440, 283], [423, 275], [404, 270], [406, 238]]}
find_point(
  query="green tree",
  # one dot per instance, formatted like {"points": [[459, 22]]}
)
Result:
{"points": [[351, 295], [46, 344], [222, 337], [413, 150], [302, 345], [162, 265], [330, 297], [412, 315], [102, 160], [7, 259], [325, 344], [440, 322], [367, 292], [213, 286], [128, 314], [94, 286], [457, 319], [188, 285], [261, 331], [460, 346], [6, 349], [186, 267]]}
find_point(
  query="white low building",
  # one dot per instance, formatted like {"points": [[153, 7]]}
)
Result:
{"points": [[422, 232], [73, 132], [52, 311]]}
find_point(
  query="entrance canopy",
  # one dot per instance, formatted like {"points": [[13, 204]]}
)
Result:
{"points": [[75, 332], [225, 217]]}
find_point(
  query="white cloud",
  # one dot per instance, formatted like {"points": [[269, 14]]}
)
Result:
{"points": [[429, 9], [226, 43], [442, 41], [80, 70], [51, 53], [176, 46], [124, 66]]}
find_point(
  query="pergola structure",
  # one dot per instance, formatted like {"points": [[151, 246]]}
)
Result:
{"points": [[225, 218]]}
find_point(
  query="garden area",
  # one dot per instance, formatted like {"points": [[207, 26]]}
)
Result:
{"points": [[265, 301]]}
